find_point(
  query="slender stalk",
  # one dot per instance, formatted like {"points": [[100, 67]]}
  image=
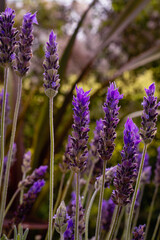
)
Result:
{"points": [[87, 184], [135, 193], [88, 213], [22, 189], [62, 236], [119, 222], [67, 186], [11, 201], [151, 211], [6, 179], [3, 114], [76, 233], [156, 227], [114, 223], [100, 204], [138, 209], [59, 194], [51, 180]]}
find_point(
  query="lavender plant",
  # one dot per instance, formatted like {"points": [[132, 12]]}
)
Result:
{"points": [[51, 85]]}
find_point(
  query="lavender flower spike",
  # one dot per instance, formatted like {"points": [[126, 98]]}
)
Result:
{"points": [[108, 134], [7, 36], [51, 65], [127, 171], [138, 233], [24, 51], [149, 116], [77, 150]]}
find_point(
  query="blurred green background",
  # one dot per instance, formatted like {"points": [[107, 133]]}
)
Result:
{"points": [[98, 42]]}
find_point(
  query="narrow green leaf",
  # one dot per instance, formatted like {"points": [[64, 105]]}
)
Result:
{"points": [[25, 234], [15, 233]]}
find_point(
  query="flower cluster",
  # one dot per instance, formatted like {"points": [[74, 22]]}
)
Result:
{"points": [[108, 134], [138, 233], [127, 170], [149, 116], [77, 149], [109, 176], [107, 213], [28, 201], [24, 51], [51, 65], [7, 36]]}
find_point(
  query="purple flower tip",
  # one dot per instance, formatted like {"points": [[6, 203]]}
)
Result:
{"points": [[31, 17], [8, 12], [151, 89]]}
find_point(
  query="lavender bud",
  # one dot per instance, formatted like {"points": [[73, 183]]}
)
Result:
{"points": [[127, 171], [138, 233], [107, 213], [157, 169], [51, 65], [69, 233], [109, 176], [28, 201], [64, 166], [95, 142], [24, 50], [108, 134], [36, 175], [7, 36], [77, 151], [26, 165], [61, 218], [149, 115]]}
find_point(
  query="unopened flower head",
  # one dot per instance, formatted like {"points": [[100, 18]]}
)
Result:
{"points": [[51, 65], [78, 151], [149, 116], [109, 176], [26, 165], [138, 233], [108, 133], [24, 50], [7, 36], [157, 169], [127, 170], [61, 218]]}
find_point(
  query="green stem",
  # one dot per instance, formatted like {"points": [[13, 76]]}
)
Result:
{"points": [[156, 227], [138, 209], [62, 236], [3, 114], [100, 203], [151, 211], [11, 201], [135, 193], [114, 223], [119, 222], [59, 194], [87, 184], [76, 233], [22, 189], [88, 213], [6, 179], [51, 180], [67, 186]]}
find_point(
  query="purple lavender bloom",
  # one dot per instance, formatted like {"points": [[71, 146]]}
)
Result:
{"points": [[138, 233], [51, 65], [28, 201], [107, 213], [24, 50], [157, 169], [69, 233], [7, 36], [108, 134], [36, 175], [64, 166], [7, 120], [77, 150], [127, 171], [149, 116]]}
